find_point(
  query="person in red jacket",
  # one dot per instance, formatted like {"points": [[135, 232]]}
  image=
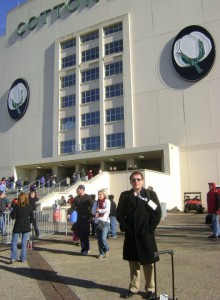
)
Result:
{"points": [[212, 199]]}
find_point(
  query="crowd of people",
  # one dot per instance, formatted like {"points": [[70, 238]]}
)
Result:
{"points": [[138, 214], [45, 180], [7, 183], [95, 218], [10, 183]]}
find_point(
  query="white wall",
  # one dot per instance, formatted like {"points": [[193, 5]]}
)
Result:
{"points": [[166, 108], [165, 185], [117, 182]]}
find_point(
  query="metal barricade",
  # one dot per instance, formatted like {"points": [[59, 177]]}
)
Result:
{"points": [[51, 221], [47, 221], [6, 234]]}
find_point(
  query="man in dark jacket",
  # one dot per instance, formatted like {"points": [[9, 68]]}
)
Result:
{"points": [[83, 205], [33, 199], [138, 214], [113, 224]]}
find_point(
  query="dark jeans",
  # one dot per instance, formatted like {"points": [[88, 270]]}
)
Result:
{"points": [[93, 227], [83, 229], [36, 230]]}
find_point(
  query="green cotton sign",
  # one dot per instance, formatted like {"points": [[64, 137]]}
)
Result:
{"points": [[59, 9]]}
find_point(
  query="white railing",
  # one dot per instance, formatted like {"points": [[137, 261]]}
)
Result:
{"points": [[78, 148], [48, 221]]}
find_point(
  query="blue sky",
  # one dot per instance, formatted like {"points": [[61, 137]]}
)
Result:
{"points": [[5, 7]]}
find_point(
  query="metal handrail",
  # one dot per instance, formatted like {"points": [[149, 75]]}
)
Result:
{"points": [[18, 189], [43, 189]]}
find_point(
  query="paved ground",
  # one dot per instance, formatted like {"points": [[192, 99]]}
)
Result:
{"points": [[56, 270]]}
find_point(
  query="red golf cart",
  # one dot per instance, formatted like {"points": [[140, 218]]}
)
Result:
{"points": [[192, 201]]}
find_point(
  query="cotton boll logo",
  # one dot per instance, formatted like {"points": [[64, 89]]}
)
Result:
{"points": [[193, 53], [18, 99], [191, 49]]}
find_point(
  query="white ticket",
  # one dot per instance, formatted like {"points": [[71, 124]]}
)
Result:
{"points": [[152, 204]]}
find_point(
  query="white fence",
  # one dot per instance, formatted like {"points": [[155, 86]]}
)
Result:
{"points": [[49, 222]]}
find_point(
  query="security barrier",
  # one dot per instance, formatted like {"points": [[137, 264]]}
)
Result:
{"points": [[47, 224], [8, 227]]}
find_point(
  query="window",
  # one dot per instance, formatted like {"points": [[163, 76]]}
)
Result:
{"points": [[115, 114], [69, 61], [68, 80], [113, 28], [67, 147], [89, 36], [90, 54], [114, 68], [91, 74], [67, 123], [114, 47], [92, 143], [90, 118], [68, 44], [90, 96], [114, 90], [68, 101], [115, 140]]}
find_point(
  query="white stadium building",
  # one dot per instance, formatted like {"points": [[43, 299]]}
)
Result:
{"points": [[94, 84]]}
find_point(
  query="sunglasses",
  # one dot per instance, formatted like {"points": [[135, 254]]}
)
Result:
{"points": [[136, 179]]}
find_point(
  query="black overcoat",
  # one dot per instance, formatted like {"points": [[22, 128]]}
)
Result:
{"points": [[23, 218], [139, 221]]}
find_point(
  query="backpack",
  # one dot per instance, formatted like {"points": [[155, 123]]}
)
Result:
{"points": [[208, 219]]}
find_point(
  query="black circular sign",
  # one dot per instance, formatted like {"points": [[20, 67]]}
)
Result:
{"points": [[193, 53], [18, 99]]}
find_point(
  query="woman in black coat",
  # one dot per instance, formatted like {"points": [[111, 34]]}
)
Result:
{"points": [[138, 214], [23, 215]]}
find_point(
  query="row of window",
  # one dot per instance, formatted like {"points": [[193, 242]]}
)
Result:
{"points": [[113, 68], [68, 80], [114, 90], [92, 35], [111, 91], [93, 53], [92, 74], [68, 61], [67, 123], [68, 44], [93, 143], [68, 101], [112, 114], [89, 36], [90, 96], [110, 48]]}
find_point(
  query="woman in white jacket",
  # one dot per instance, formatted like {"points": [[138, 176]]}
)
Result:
{"points": [[101, 211]]}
